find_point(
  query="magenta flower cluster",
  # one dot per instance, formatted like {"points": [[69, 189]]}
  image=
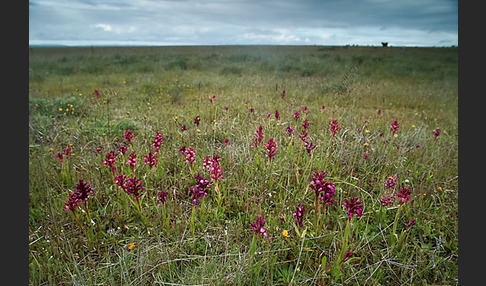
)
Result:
{"points": [[157, 142], [199, 190], [404, 195], [296, 115], [197, 119], [122, 149], [110, 161], [258, 226], [79, 195], [132, 160], [207, 161], [387, 200], [120, 181], [129, 136], [162, 196], [216, 170], [309, 146], [131, 186], [391, 182], [258, 136], [305, 124], [190, 156], [289, 130], [66, 153], [212, 165], [354, 207], [299, 215], [72, 203], [150, 159], [437, 132], [323, 188], [334, 127], [303, 135], [394, 127], [271, 148]]}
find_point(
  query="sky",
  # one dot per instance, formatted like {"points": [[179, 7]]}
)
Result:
{"points": [[243, 22]]}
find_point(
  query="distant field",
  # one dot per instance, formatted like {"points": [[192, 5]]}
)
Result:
{"points": [[397, 113]]}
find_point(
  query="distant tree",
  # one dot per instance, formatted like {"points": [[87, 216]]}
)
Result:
{"points": [[384, 44]]}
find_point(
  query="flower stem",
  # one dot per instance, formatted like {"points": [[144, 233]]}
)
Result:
{"points": [[192, 219], [393, 237]]}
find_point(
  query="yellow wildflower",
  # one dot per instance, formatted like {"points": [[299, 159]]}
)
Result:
{"points": [[131, 246], [440, 188], [367, 131], [285, 233], [198, 130], [413, 126], [366, 144]]}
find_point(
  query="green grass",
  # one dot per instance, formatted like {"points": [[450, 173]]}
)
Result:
{"points": [[158, 89]]}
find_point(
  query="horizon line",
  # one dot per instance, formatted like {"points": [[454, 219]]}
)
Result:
{"points": [[218, 45]]}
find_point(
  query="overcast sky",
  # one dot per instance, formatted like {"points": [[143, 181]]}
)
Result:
{"points": [[243, 22]]}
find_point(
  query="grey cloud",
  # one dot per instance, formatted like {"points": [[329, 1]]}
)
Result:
{"points": [[238, 21]]}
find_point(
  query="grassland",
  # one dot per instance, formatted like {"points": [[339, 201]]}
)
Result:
{"points": [[116, 241]]}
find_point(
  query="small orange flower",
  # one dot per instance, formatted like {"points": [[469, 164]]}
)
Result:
{"points": [[131, 246]]}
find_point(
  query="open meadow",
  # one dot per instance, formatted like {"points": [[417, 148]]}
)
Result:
{"points": [[243, 165]]}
